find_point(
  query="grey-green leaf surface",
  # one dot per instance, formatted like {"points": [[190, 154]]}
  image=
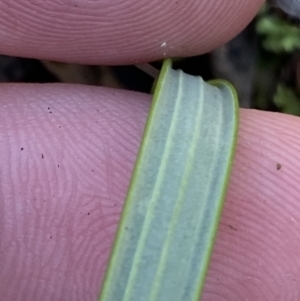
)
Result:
{"points": [[173, 206]]}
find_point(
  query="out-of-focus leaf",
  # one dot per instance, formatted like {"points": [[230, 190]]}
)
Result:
{"points": [[287, 100], [279, 36]]}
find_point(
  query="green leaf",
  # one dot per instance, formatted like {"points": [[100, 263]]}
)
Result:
{"points": [[173, 206], [278, 35], [287, 100]]}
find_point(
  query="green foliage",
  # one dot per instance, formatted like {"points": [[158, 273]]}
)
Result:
{"points": [[287, 100], [278, 35]]}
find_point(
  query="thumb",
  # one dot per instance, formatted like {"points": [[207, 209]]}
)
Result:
{"points": [[67, 154]]}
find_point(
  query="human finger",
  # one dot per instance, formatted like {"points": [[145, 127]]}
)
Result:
{"points": [[119, 32], [67, 154]]}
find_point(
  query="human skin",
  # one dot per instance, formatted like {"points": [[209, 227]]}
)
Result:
{"points": [[67, 154], [290, 7]]}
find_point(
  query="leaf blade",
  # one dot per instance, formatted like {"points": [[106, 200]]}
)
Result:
{"points": [[172, 209]]}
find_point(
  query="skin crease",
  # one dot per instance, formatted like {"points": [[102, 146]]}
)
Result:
{"points": [[67, 154]]}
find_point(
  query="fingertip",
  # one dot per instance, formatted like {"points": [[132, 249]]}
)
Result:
{"points": [[120, 32], [67, 216]]}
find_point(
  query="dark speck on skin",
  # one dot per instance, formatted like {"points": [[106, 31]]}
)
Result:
{"points": [[42, 156], [232, 228], [22, 148], [278, 166]]}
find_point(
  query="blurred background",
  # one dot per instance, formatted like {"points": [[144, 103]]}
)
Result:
{"points": [[263, 63]]}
